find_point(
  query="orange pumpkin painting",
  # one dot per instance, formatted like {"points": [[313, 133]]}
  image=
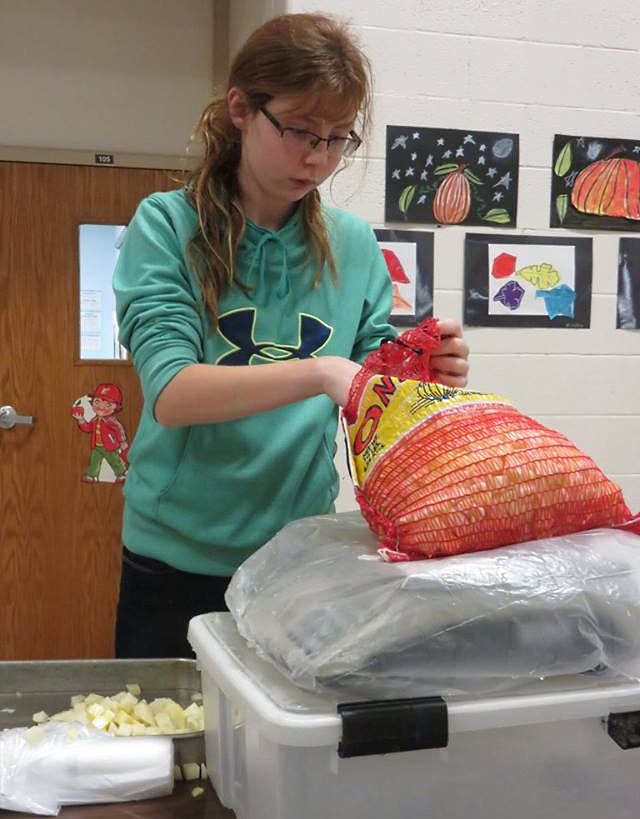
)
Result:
{"points": [[595, 183], [609, 187], [453, 198]]}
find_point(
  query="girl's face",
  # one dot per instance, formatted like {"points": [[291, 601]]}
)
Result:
{"points": [[282, 158]]}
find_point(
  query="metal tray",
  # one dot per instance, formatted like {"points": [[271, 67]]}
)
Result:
{"points": [[46, 685]]}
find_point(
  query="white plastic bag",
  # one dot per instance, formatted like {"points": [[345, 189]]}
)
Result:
{"points": [[319, 604], [70, 764]]}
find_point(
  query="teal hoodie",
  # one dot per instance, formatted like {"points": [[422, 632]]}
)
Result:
{"points": [[203, 498]]}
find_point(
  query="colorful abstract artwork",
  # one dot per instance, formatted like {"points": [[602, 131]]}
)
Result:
{"points": [[409, 258], [527, 281], [628, 303], [445, 176], [595, 184]]}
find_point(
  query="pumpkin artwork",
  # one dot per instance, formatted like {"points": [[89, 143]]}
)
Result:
{"points": [[453, 198], [609, 187]]}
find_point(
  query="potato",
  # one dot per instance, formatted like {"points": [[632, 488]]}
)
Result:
{"points": [[164, 723], [124, 714], [126, 700], [177, 714], [191, 771], [34, 735], [143, 713]]}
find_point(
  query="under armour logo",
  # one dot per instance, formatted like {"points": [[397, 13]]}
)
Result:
{"points": [[238, 329]]}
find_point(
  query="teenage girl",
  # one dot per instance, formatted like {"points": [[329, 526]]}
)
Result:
{"points": [[247, 306]]}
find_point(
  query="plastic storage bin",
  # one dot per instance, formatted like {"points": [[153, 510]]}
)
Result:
{"points": [[564, 748]]}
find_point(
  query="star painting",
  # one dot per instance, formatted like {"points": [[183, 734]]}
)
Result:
{"points": [[448, 177]]}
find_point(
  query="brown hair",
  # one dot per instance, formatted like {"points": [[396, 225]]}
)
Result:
{"points": [[306, 54]]}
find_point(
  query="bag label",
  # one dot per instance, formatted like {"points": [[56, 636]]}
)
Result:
{"points": [[391, 407]]}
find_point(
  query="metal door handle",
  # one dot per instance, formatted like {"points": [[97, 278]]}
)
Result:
{"points": [[9, 418]]}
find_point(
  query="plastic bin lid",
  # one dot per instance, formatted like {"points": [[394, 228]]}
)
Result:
{"points": [[292, 716]]}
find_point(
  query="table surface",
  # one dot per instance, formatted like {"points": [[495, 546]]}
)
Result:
{"points": [[180, 805]]}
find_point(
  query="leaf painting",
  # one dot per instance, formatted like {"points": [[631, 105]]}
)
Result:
{"points": [[563, 162], [562, 203], [451, 177], [406, 197]]}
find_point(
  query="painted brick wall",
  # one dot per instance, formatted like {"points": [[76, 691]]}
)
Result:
{"points": [[535, 68]]}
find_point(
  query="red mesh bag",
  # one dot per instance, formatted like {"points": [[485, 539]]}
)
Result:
{"points": [[441, 471]]}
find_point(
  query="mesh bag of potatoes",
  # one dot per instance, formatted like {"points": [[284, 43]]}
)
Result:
{"points": [[442, 471]]}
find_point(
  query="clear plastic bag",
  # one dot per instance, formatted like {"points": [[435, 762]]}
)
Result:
{"points": [[319, 603], [70, 764]]}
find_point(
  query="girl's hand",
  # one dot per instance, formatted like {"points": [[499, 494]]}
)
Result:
{"points": [[449, 361], [337, 374]]}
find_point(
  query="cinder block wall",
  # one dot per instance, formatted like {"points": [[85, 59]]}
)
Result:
{"points": [[534, 68]]}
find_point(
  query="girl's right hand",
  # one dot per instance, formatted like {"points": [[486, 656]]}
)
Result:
{"points": [[336, 376]]}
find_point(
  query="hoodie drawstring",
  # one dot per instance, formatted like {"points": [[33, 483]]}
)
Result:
{"points": [[283, 285]]}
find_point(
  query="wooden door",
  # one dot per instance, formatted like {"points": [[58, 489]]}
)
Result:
{"points": [[59, 537]]}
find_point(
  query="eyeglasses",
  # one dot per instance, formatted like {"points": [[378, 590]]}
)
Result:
{"points": [[300, 140]]}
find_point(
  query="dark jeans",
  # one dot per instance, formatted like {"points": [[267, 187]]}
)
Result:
{"points": [[156, 603]]}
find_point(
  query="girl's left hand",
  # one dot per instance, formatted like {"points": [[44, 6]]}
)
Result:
{"points": [[449, 361]]}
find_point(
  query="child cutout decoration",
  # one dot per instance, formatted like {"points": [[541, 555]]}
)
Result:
{"points": [[95, 414]]}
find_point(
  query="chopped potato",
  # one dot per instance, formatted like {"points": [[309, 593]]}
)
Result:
{"points": [[177, 714], [34, 735], [62, 716], [124, 714], [159, 704], [190, 771], [126, 700], [163, 721], [143, 713]]}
